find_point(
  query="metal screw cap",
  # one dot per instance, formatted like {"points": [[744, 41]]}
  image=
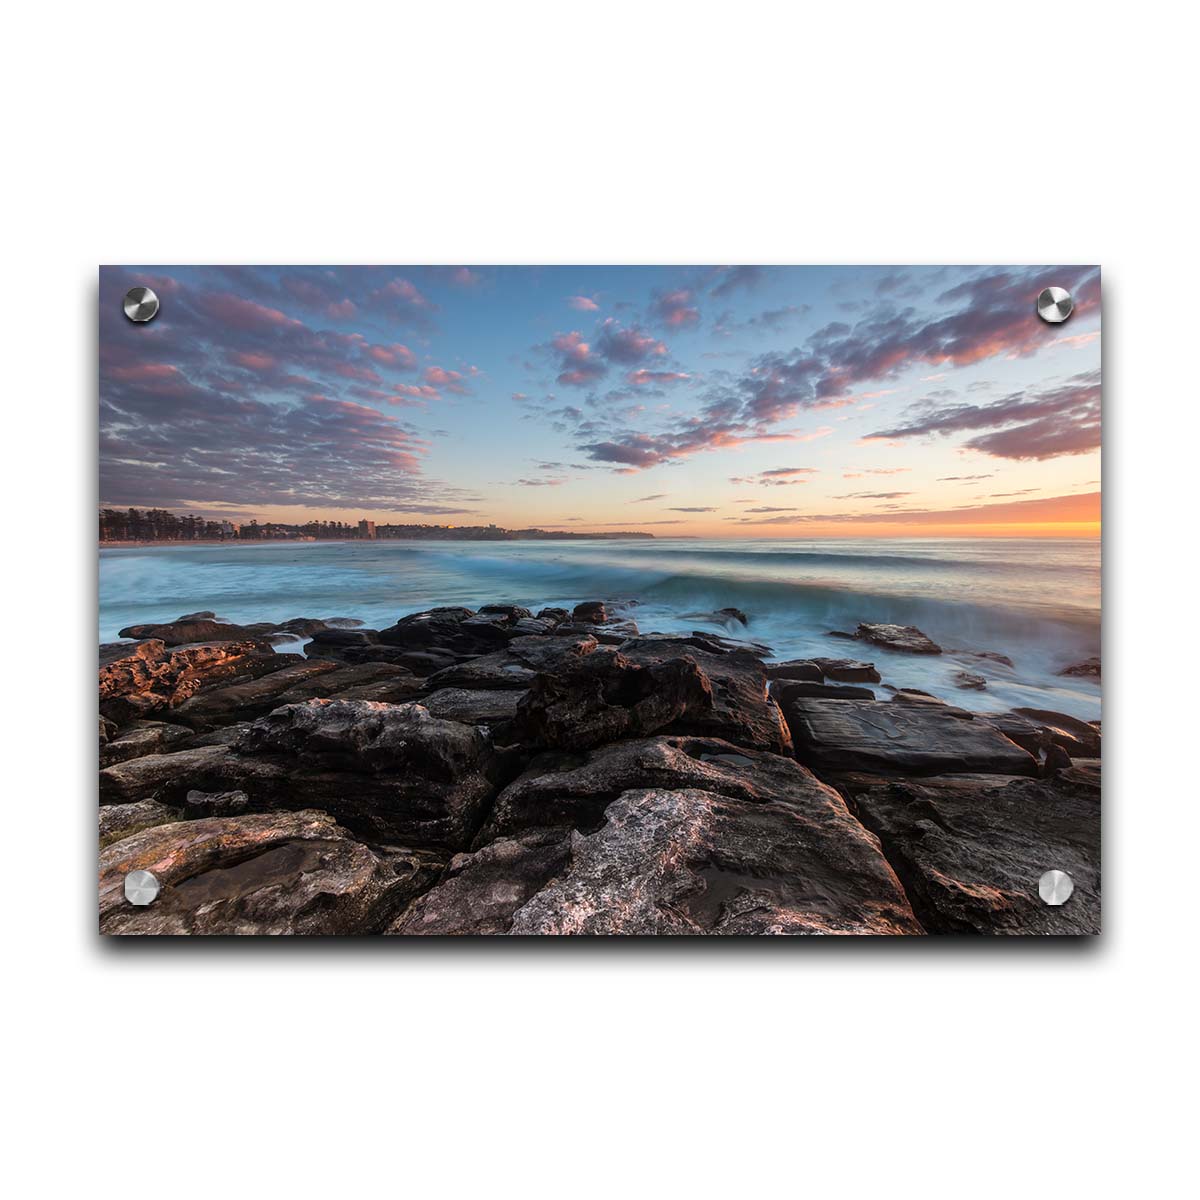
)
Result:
{"points": [[1054, 304], [141, 304], [1055, 887], [141, 887]]}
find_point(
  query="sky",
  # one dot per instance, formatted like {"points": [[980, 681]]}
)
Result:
{"points": [[734, 402]]}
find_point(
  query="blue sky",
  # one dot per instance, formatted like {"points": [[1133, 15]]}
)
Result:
{"points": [[710, 401]]}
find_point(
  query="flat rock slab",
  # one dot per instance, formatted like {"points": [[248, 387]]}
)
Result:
{"points": [[784, 689], [141, 738], [865, 735], [797, 668], [1080, 739], [847, 670], [970, 849], [907, 639], [119, 821], [484, 707], [695, 862], [243, 701], [560, 788], [269, 873]]}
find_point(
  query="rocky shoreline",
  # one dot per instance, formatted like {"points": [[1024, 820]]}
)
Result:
{"points": [[504, 772]]}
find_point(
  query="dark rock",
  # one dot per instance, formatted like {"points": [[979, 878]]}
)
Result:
{"points": [[515, 667], [534, 627], [907, 639], [741, 711], [614, 632], [480, 892], [141, 738], [512, 612], [243, 701], [782, 689], [971, 849], [1088, 669], [690, 862], [169, 777], [715, 644], [974, 683], [119, 821], [798, 668], [1026, 733], [272, 873], [460, 631], [733, 614], [604, 696], [556, 615], [216, 804], [1057, 759], [1078, 738], [1083, 774], [917, 697], [847, 670], [391, 772], [419, 662], [590, 612], [500, 671], [864, 735], [206, 615], [331, 643], [388, 682], [184, 632], [385, 689], [574, 789], [484, 707], [551, 654]]}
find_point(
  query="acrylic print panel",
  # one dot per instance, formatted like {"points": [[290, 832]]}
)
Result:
{"points": [[599, 600]]}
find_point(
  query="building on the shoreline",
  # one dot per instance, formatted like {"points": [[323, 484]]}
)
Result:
{"points": [[366, 529]]}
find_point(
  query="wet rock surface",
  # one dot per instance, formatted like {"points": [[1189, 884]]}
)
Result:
{"points": [[574, 789], [740, 711], [864, 735], [692, 862], [847, 670], [906, 639], [259, 874], [970, 850], [497, 771]]}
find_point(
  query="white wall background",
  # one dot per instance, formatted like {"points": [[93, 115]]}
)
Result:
{"points": [[624, 132]]}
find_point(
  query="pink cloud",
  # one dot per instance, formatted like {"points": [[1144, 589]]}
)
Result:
{"points": [[441, 377], [253, 361], [578, 366], [394, 355], [583, 303], [676, 310], [642, 377], [622, 345]]}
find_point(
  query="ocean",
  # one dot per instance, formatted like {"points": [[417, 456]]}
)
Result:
{"points": [[1035, 600]]}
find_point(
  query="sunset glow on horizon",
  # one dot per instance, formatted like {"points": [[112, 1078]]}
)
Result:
{"points": [[714, 402]]}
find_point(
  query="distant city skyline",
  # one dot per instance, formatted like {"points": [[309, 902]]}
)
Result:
{"points": [[741, 402]]}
